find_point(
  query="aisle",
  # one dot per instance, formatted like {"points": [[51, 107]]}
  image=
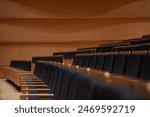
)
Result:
{"points": [[8, 91]]}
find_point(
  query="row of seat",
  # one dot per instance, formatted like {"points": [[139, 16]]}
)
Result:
{"points": [[47, 58], [20, 64], [71, 54], [144, 39], [146, 36], [135, 65], [90, 48], [123, 48], [65, 83], [124, 45], [138, 44]]}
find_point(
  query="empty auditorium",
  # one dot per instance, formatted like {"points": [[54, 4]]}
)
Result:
{"points": [[75, 50]]}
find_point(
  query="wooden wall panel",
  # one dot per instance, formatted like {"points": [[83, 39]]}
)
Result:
{"points": [[27, 51], [74, 8], [71, 30]]}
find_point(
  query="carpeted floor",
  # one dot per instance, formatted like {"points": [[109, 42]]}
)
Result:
{"points": [[8, 91]]}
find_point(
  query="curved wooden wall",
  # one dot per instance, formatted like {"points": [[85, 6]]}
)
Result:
{"points": [[39, 27]]}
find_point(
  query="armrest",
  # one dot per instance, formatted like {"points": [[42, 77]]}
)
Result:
{"points": [[24, 72], [24, 91], [28, 76], [36, 85], [25, 96], [35, 89], [32, 80]]}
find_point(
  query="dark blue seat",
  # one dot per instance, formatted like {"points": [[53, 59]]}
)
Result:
{"points": [[73, 85], [52, 76], [54, 79], [85, 88], [38, 72], [79, 60], [61, 77], [119, 64], [20, 64], [110, 92], [65, 85], [132, 67], [85, 61], [145, 67], [75, 60], [92, 61], [108, 63], [100, 62]]}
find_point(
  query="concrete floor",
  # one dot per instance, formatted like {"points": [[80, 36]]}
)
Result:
{"points": [[8, 91]]}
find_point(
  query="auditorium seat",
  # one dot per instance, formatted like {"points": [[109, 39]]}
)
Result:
{"points": [[47, 58], [53, 79], [132, 67], [138, 86], [92, 61], [46, 87], [108, 63], [85, 88], [110, 92], [35, 74], [100, 62], [39, 78], [79, 60], [89, 48], [85, 61], [75, 60], [61, 76], [65, 85], [125, 49], [145, 67], [119, 64], [20, 64], [73, 85]]}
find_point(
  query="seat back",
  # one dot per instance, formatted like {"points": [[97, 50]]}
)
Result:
{"points": [[85, 88], [21, 64], [111, 92], [65, 85], [44, 71], [92, 61], [73, 85], [74, 60], [108, 63], [119, 64], [59, 83], [55, 79], [79, 60], [52, 76], [132, 67], [145, 67], [85, 60], [100, 62], [48, 73]]}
